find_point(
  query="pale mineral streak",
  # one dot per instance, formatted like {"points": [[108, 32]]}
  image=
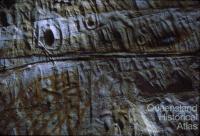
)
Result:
{"points": [[99, 67]]}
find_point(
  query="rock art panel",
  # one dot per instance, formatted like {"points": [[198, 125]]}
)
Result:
{"points": [[99, 67]]}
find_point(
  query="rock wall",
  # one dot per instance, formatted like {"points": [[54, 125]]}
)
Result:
{"points": [[99, 67]]}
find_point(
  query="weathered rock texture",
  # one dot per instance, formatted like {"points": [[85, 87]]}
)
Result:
{"points": [[93, 67]]}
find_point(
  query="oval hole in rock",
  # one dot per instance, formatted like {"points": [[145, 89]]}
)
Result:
{"points": [[49, 37], [3, 19], [91, 22]]}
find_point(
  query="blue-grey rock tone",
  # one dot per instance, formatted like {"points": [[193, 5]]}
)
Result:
{"points": [[99, 67]]}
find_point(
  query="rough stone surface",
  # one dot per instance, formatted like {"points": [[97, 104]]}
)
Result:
{"points": [[99, 67]]}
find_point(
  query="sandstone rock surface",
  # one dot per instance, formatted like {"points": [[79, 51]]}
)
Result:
{"points": [[99, 67]]}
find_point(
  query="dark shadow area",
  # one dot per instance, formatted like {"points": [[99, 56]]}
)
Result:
{"points": [[3, 19], [49, 37]]}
